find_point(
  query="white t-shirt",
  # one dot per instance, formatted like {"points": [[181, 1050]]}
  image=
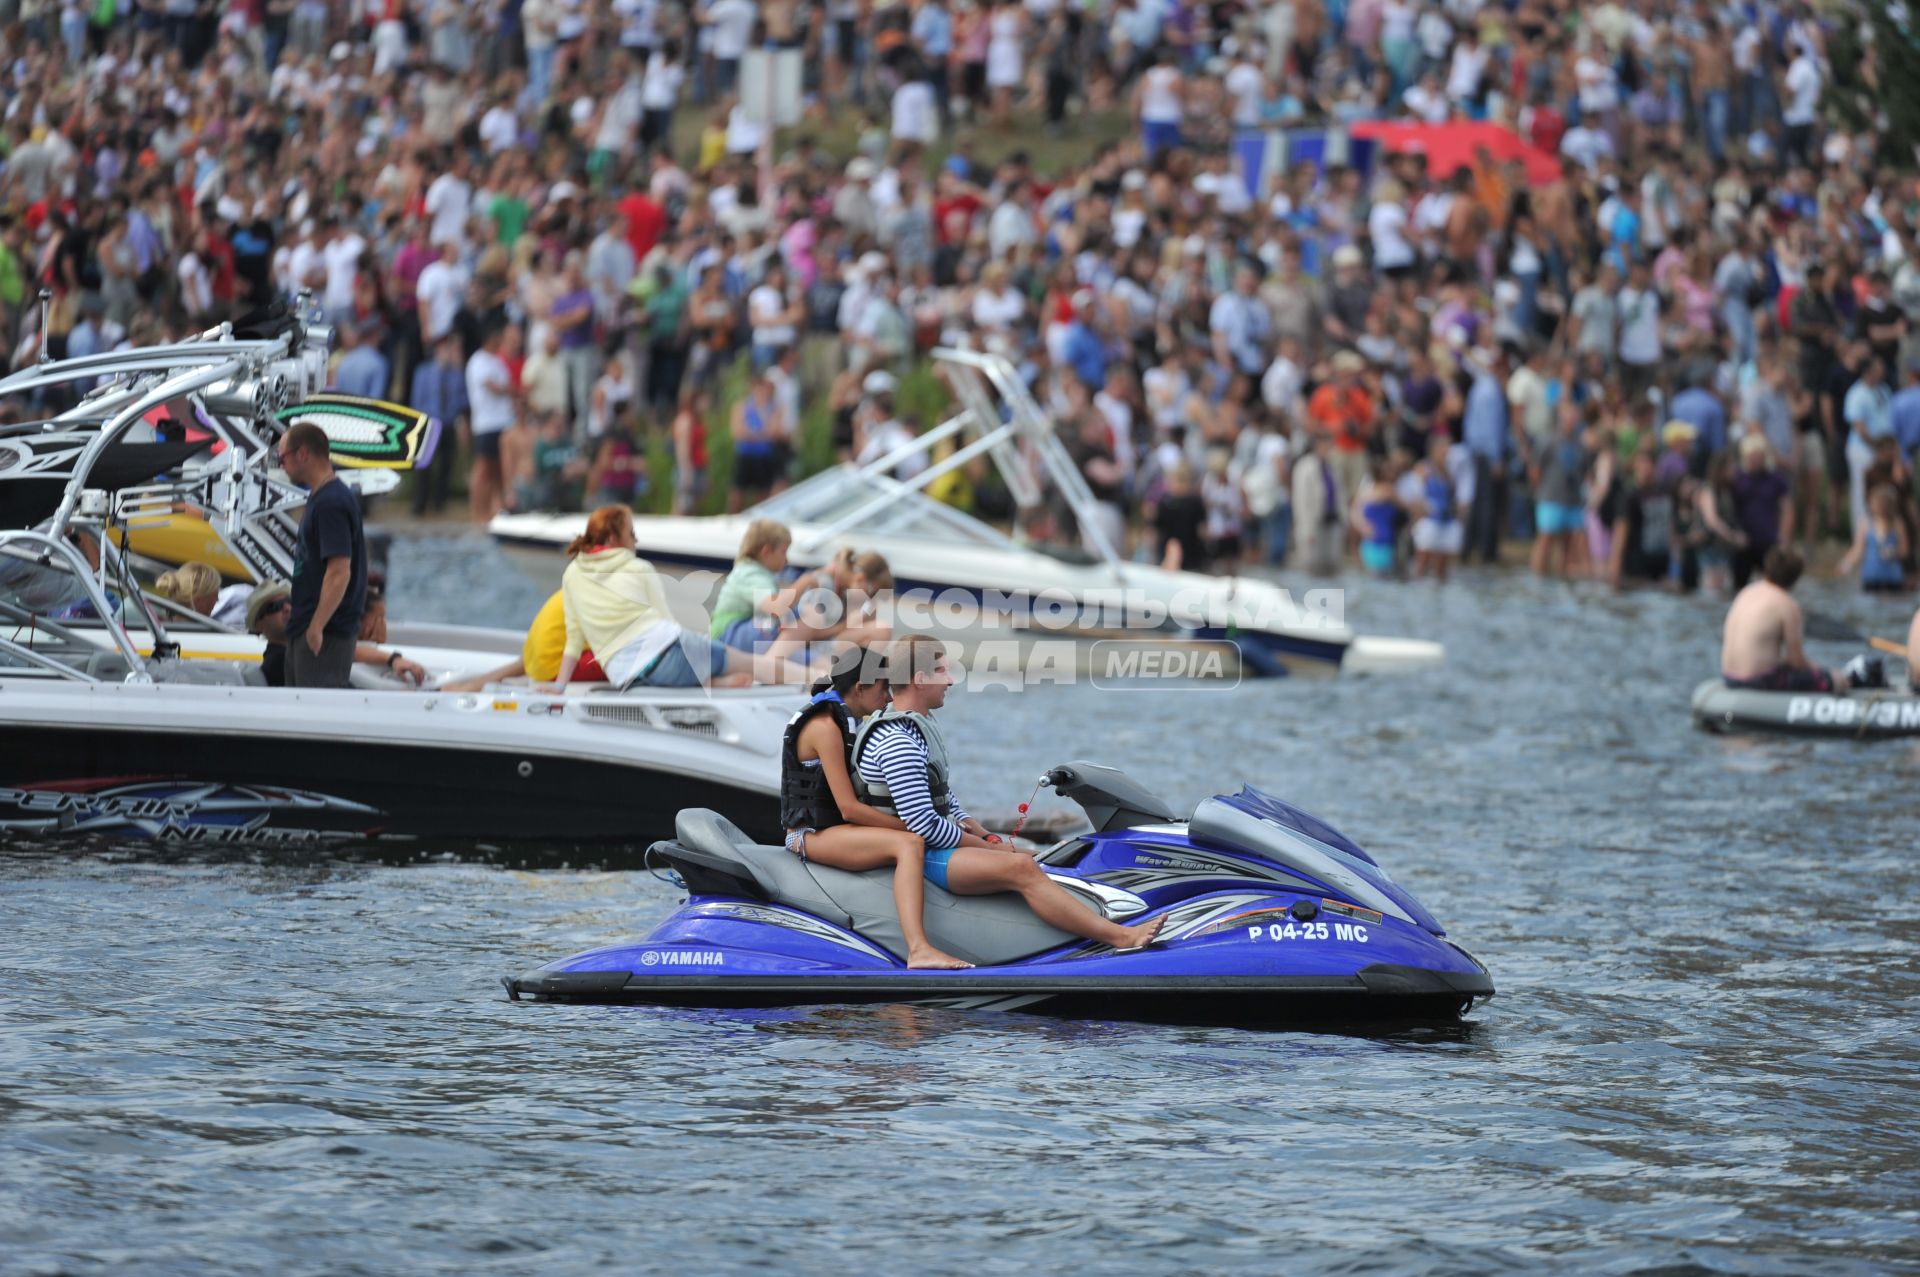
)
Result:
{"points": [[1281, 384], [885, 439], [196, 285], [1599, 89], [1245, 84], [1465, 72], [660, 87], [998, 310], [538, 19], [449, 201], [1527, 395], [765, 305], [499, 130], [620, 122], [744, 133], [1426, 104], [1803, 92], [488, 412], [637, 23], [1387, 228], [1265, 492], [1160, 96], [304, 260], [1639, 326], [1396, 20], [342, 256], [732, 27], [1585, 146], [440, 289], [916, 113]]}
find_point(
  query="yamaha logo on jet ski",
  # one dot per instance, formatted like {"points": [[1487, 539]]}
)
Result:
{"points": [[669, 958]]}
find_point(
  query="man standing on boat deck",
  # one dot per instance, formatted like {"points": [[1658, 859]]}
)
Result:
{"points": [[330, 577]]}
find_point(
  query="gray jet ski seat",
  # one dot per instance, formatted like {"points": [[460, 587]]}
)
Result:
{"points": [[985, 929]]}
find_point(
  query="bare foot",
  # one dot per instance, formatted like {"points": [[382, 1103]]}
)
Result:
{"points": [[925, 956], [1141, 936]]}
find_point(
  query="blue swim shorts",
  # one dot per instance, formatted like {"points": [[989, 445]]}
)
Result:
{"points": [[935, 864], [1550, 518]]}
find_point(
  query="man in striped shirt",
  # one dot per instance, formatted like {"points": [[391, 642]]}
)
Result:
{"points": [[900, 765]]}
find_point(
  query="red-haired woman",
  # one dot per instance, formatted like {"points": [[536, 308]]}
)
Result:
{"points": [[615, 605]]}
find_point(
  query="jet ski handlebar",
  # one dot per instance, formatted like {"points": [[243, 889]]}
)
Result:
{"points": [[1112, 799]]}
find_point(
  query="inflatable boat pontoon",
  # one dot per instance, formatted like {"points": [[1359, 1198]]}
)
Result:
{"points": [[1870, 713]]}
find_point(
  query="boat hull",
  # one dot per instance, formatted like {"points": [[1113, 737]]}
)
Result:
{"points": [[214, 765]]}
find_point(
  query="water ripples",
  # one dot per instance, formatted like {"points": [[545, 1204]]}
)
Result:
{"points": [[1701, 1059]]}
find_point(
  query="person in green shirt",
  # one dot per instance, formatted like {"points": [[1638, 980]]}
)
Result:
{"points": [[665, 302], [508, 213], [750, 602], [13, 280]]}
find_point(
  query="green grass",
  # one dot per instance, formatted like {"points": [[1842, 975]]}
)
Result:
{"points": [[921, 395], [837, 135]]}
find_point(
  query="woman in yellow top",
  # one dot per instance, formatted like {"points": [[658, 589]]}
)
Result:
{"points": [[615, 605]]}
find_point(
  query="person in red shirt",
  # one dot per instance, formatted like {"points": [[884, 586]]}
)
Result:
{"points": [[216, 249], [1342, 411], [646, 221], [1547, 126], [956, 204]]}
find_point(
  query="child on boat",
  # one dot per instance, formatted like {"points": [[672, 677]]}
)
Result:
{"points": [[748, 609]]}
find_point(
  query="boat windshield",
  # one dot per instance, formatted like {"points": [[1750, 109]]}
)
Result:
{"points": [[842, 498]]}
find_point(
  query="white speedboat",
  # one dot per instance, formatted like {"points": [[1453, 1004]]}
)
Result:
{"points": [[118, 721], [967, 581]]}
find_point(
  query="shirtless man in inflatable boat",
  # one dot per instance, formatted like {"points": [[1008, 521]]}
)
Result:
{"points": [[1761, 647]]}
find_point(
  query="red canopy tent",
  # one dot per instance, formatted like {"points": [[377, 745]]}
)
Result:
{"points": [[1452, 145]]}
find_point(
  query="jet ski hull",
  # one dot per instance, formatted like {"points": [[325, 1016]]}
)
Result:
{"points": [[1268, 916], [1231, 957], [1381, 992]]}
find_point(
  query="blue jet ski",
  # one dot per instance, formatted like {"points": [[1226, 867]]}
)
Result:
{"points": [[1272, 917]]}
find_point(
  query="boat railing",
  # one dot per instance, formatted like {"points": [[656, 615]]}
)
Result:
{"points": [[57, 553], [998, 417]]}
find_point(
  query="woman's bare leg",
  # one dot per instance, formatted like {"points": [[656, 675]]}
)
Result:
{"points": [[975, 871], [858, 848]]}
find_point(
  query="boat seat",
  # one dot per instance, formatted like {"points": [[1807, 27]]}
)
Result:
{"points": [[985, 929], [206, 673]]}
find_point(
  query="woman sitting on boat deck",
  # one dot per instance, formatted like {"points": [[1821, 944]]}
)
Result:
{"points": [[615, 605]]}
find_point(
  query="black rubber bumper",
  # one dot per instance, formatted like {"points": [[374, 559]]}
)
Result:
{"points": [[1379, 992]]}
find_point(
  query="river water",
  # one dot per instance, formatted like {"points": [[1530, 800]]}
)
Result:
{"points": [[1702, 1057]]}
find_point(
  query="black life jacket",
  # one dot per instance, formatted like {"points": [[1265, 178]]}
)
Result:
{"points": [[806, 801]]}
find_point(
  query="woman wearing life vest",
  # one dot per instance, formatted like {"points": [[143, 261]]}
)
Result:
{"points": [[826, 822]]}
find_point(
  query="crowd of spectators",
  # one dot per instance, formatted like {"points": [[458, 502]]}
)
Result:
{"points": [[1694, 334]]}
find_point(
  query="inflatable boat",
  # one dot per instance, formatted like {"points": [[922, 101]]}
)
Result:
{"points": [[1869, 713]]}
